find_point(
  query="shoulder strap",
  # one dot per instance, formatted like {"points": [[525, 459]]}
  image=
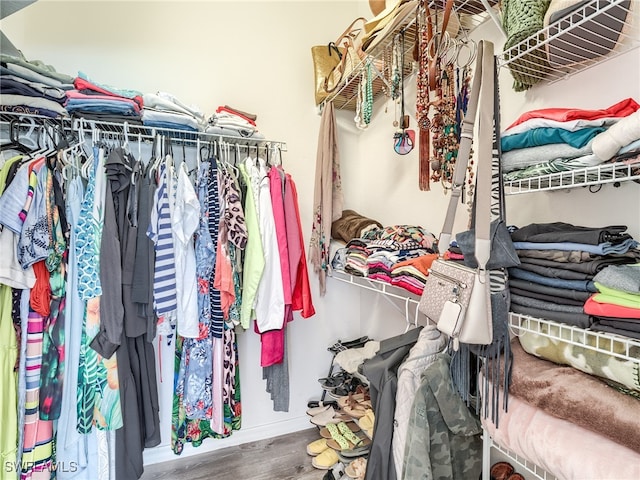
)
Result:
{"points": [[483, 80]]}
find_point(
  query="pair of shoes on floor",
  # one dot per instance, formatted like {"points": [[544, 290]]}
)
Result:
{"points": [[356, 404], [343, 438], [324, 458], [504, 471], [330, 415], [340, 384]]}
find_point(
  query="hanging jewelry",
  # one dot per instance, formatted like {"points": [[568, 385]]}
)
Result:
{"points": [[396, 75], [367, 107], [422, 94], [443, 127], [361, 102]]}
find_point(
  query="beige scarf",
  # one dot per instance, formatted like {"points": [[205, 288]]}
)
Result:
{"points": [[327, 195]]}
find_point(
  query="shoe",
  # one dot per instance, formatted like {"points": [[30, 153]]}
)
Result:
{"points": [[357, 469], [312, 412], [361, 395], [339, 346], [342, 438], [317, 447], [330, 416], [501, 471], [358, 410], [325, 460], [349, 455], [319, 403], [325, 433], [366, 422]]}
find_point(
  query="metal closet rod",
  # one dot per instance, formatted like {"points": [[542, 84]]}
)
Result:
{"points": [[69, 125]]}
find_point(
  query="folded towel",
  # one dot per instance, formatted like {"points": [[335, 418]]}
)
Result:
{"points": [[606, 144]]}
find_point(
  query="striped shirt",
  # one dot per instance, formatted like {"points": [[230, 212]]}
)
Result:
{"points": [[159, 231]]}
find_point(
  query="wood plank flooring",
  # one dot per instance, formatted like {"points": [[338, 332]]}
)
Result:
{"points": [[278, 458]]}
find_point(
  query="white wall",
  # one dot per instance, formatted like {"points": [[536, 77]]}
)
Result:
{"points": [[255, 56]]}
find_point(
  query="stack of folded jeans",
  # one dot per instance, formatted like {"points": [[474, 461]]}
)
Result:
{"points": [[32, 87], [95, 101], [558, 264], [163, 110]]}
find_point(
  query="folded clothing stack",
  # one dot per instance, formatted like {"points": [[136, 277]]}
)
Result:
{"points": [[558, 263], [232, 122], [32, 87], [163, 110], [552, 140], [95, 101]]}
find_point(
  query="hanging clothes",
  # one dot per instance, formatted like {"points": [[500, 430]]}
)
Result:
{"points": [[269, 306], [98, 387], [73, 447]]}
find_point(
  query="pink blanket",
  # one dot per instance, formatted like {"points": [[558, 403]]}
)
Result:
{"points": [[560, 447]]}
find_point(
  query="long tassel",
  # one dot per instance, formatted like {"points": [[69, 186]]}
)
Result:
{"points": [[424, 173]]}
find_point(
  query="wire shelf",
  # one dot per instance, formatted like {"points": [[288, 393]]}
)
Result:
{"points": [[376, 286], [520, 461], [72, 124], [469, 13], [624, 348], [599, 174], [597, 31]]}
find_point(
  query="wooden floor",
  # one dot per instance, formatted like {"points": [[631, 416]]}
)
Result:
{"points": [[279, 458]]}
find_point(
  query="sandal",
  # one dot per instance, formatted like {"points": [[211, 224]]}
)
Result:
{"points": [[334, 381], [339, 346], [329, 416], [337, 441], [357, 408], [325, 433], [349, 435], [357, 469], [360, 395]]}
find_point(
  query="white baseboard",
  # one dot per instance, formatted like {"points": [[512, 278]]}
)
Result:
{"points": [[163, 453]]}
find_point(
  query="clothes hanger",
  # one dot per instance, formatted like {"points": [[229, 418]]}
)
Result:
{"points": [[15, 142]]}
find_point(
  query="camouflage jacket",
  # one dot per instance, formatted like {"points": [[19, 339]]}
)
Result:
{"points": [[443, 439]]}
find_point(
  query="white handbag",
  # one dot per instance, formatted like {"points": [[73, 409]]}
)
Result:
{"points": [[456, 297]]}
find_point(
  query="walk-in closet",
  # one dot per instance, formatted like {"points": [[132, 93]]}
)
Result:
{"points": [[220, 223]]}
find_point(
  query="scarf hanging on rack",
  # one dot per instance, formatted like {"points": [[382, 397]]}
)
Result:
{"points": [[327, 196]]}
